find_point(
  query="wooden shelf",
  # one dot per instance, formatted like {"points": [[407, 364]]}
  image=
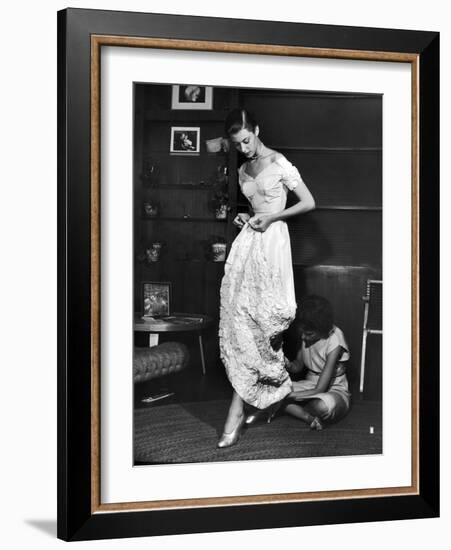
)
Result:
{"points": [[184, 186], [309, 94], [174, 260], [350, 207], [198, 154], [327, 149], [183, 219], [344, 207], [186, 115]]}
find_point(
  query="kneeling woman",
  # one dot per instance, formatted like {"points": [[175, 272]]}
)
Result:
{"points": [[323, 395]]}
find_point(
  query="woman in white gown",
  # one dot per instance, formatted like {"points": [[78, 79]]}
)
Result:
{"points": [[257, 291]]}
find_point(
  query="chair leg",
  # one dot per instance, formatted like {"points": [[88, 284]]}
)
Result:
{"points": [[153, 339], [362, 361], [202, 356]]}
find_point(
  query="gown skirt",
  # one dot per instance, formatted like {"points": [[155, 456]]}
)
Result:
{"points": [[257, 303]]}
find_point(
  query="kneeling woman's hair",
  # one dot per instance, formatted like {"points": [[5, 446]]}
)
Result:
{"points": [[315, 314]]}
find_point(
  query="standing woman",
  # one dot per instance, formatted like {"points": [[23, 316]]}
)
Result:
{"points": [[257, 291]]}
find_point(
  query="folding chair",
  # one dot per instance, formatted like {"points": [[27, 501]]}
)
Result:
{"points": [[372, 319]]}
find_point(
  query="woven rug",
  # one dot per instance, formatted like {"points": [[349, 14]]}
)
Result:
{"points": [[188, 432]]}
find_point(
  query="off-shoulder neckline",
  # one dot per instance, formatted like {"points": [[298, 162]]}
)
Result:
{"points": [[263, 170]]}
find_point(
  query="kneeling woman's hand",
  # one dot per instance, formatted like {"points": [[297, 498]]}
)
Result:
{"points": [[261, 222]]}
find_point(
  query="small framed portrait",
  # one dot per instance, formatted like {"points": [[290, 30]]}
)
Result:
{"points": [[185, 140], [192, 96], [156, 298]]}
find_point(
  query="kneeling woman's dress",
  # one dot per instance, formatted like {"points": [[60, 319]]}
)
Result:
{"points": [[257, 292]]}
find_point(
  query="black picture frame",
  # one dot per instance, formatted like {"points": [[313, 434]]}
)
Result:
{"points": [[79, 515]]}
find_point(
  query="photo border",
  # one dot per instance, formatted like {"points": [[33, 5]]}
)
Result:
{"points": [[175, 129], [206, 105], [168, 288], [81, 34]]}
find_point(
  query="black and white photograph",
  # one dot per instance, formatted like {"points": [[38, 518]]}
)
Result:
{"points": [[192, 96], [185, 140], [156, 299], [284, 356]]}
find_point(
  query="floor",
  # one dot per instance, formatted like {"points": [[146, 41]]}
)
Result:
{"points": [[190, 395], [189, 385]]}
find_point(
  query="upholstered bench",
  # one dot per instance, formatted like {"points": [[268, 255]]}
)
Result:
{"points": [[156, 361]]}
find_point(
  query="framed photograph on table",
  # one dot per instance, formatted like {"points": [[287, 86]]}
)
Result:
{"points": [[379, 90], [156, 298]]}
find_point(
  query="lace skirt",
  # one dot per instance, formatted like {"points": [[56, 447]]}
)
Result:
{"points": [[257, 303]]}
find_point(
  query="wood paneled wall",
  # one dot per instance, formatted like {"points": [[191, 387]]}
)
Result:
{"points": [[344, 287]]}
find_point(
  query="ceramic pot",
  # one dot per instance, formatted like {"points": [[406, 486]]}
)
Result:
{"points": [[221, 212], [219, 252], [153, 252], [150, 210]]}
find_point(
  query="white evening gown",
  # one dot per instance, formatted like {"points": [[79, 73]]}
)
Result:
{"points": [[257, 292]]}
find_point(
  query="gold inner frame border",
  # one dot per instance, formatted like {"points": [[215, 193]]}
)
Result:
{"points": [[97, 41]]}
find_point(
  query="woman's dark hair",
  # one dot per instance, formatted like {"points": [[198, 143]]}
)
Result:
{"points": [[237, 120], [315, 313]]}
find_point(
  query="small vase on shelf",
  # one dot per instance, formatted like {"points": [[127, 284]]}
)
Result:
{"points": [[216, 248], [218, 251], [150, 209], [220, 198], [153, 252], [150, 172], [221, 212]]}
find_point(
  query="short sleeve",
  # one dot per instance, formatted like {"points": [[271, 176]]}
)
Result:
{"points": [[290, 174], [336, 339]]}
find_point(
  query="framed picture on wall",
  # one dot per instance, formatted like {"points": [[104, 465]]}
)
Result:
{"points": [[192, 97], [185, 140], [156, 299], [390, 74]]}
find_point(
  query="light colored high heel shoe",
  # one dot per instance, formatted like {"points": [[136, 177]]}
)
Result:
{"points": [[273, 410], [230, 438], [253, 417], [270, 413]]}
